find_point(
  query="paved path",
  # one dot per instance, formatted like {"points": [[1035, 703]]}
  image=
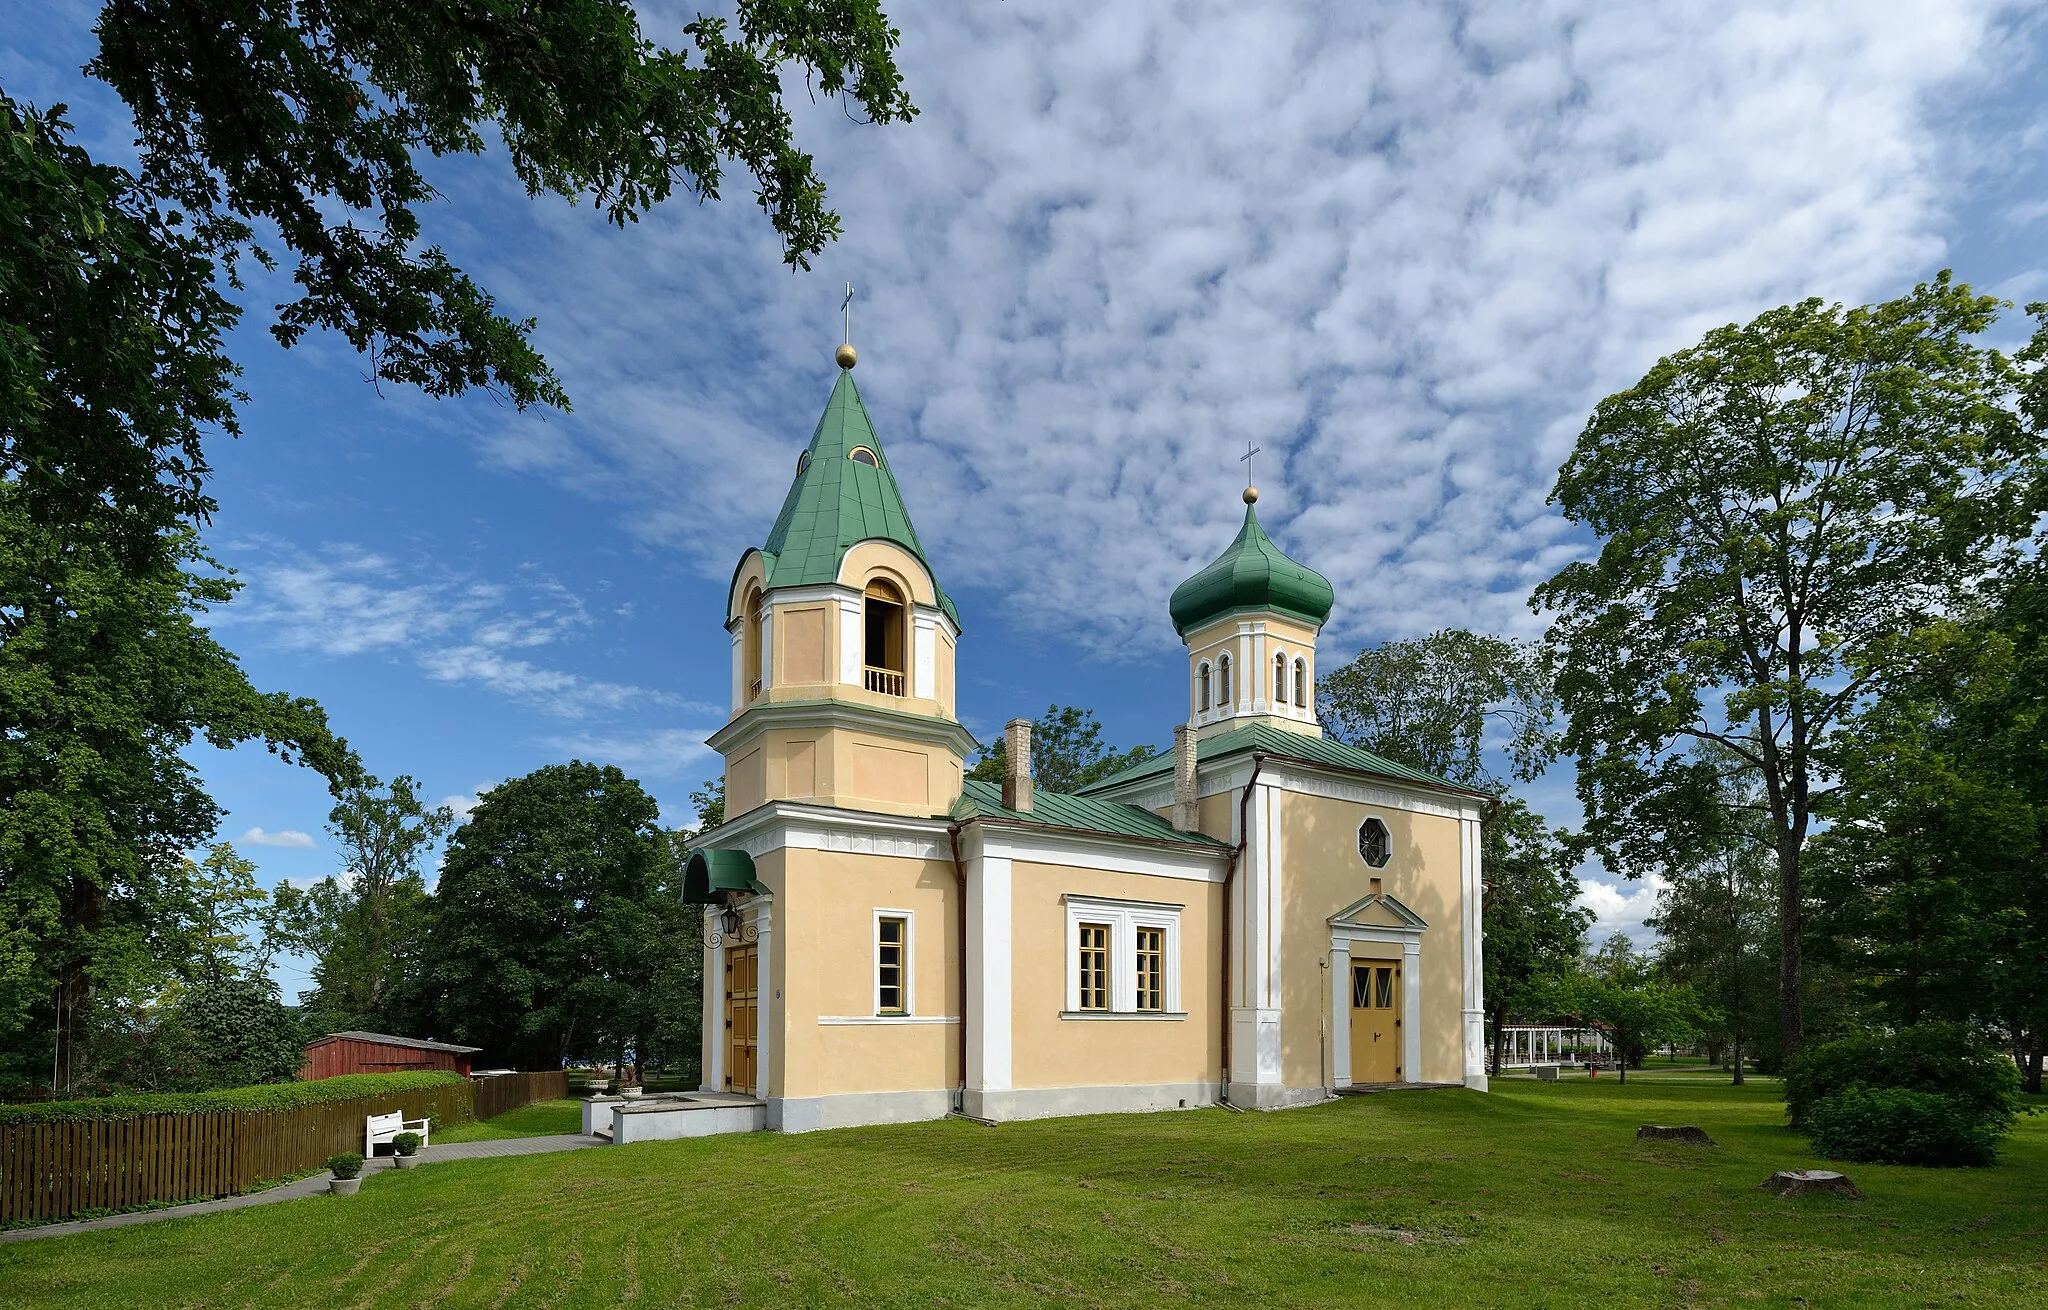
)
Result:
{"points": [[313, 1186]]}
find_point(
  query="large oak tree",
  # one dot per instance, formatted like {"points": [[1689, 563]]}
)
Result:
{"points": [[1769, 504]]}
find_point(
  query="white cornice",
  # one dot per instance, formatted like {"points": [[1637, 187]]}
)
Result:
{"points": [[1080, 850], [763, 715], [789, 825]]}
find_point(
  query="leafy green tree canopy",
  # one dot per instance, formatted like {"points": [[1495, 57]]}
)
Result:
{"points": [[314, 121], [1429, 702], [1067, 752], [1769, 503]]}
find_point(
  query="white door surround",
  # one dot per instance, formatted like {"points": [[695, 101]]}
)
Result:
{"points": [[1402, 940]]}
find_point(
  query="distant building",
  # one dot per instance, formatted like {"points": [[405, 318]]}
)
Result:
{"points": [[1262, 916], [340, 1053]]}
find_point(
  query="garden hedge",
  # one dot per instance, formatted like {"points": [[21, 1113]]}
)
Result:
{"points": [[266, 1096]]}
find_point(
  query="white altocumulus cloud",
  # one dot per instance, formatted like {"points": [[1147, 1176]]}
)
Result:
{"points": [[1403, 247], [290, 838], [654, 752], [347, 601], [1620, 907]]}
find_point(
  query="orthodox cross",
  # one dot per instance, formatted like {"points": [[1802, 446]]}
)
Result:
{"points": [[1246, 460], [846, 307]]}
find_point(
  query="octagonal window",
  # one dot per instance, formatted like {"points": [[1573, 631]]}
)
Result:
{"points": [[1375, 843]]}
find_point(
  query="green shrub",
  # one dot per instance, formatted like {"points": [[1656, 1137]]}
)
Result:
{"points": [[1890, 1125], [406, 1143], [346, 1165], [1944, 1059], [269, 1096]]}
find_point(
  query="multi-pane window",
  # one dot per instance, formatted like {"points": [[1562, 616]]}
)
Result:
{"points": [[1301, 684], [1151, 968], [1093, 958], [1375, 843], [891, 938], [1280, 679], [1205, 688]]}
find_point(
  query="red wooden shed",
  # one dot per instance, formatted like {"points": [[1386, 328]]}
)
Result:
{"points": [[340, 1053]]}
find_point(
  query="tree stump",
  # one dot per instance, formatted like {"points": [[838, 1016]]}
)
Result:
{"points": [[1689, 1135], [1800, 1182]]}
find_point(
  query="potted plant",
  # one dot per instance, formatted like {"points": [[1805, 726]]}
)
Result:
{"points": [[405, 1149], [347, 1169], [631, 1091]]}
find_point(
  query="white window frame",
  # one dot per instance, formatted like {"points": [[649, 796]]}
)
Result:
{"points": [[1124, 918], [909, 918]]}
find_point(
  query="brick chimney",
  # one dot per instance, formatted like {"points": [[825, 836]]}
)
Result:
{"points": [[1186, 812], [1017, 768]]}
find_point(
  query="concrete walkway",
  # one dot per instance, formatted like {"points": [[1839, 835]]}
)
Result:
{"points": [[313, 1186]]}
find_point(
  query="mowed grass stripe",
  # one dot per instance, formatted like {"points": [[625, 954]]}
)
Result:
{"points": [[1537, 1195]]}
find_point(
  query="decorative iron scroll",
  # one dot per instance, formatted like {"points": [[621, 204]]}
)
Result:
{"points": [[715, 935]]}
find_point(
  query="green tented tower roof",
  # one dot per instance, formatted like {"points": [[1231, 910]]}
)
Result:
{"points": [[1252, 574], [838, 501]]}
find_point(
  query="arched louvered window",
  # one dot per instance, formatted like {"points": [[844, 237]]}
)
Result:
{"points": [[1280, 679], [1203, 679], [1301, 683], [1223, 697]]}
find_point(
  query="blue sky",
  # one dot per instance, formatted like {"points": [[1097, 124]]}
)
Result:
{"points": [[1403, 247]]}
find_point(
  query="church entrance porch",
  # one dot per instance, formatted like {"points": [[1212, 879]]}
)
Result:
{"points": [[1376, 1021]]}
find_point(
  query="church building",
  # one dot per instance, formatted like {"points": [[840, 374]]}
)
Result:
{"points": [[1263, 916]]}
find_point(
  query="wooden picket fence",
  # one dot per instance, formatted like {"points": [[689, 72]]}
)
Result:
{"points": [[509, 1091], [53, 1170]]}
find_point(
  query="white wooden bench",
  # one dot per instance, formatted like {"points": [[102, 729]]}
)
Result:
{"points": [[379, 1129]]}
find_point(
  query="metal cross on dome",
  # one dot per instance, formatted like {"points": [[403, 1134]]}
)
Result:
{"points": [[846, 307], [1246, 460]]}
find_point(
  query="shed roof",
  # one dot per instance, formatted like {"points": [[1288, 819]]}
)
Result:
{"points": [[1087, 814], [411, 1043], [1270, 740]]}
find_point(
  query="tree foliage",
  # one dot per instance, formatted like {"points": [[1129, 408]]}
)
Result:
{"points": [[1429, 702], [1534, 929], [1067, 752], [547, 917], [314, 122], [1772, 503], [1618, 990]]}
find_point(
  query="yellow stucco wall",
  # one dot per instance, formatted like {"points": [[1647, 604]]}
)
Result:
{"points": [[1048, 1051], [824, 964], [1324, 874]]}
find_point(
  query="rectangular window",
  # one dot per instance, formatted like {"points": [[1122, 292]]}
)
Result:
{"points": [[1151, 968], [1093, 947], [891, 936], [1383, 990]]}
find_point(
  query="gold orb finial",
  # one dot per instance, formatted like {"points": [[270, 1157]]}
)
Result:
{"points": [[845, 355], [1251, 495]]}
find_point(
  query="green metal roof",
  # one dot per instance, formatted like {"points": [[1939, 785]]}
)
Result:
{"points": [[1078, 813], [710, 872], [838, 501], [1252, 574], [1278, 741]]}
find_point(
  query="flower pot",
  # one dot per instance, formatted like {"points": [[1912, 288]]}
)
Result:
{"points": [[405, 1161], [344, 1186], [630, 1093], [599, 1084]]}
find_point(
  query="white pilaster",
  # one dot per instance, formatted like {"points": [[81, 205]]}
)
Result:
{"points": [[1241, 694], [1340, 1016], [851, 655], [1411, 1011], [924, 664], [768, 1028], [714, 1010], [988, 1001], [739, 667], [1262, 688], [1475, 960], [1255, 1019]]}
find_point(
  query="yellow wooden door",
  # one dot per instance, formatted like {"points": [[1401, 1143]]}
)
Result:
{"points": [[742, 1017], [1375, 1022]]}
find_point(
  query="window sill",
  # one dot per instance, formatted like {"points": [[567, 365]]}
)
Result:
{"points": [[1153, 1016], [840, 1019]]}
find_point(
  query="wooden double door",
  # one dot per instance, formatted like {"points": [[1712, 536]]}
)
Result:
{"points": [[1375, 1021], [742, 1017]]}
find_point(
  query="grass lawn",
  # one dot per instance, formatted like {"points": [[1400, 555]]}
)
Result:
{"points": [[1536, 1195], [540, 1119]]}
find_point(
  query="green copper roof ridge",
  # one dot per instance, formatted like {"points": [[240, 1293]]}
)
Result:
{"points": [[835, 502]]}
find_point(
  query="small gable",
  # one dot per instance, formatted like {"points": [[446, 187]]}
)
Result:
{"points": [[1381, 911]]}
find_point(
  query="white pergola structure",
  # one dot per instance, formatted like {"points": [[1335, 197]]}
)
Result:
{"points": [[1526, 1045]]}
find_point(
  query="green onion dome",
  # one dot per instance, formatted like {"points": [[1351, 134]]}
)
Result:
{"points": [[1252, 575]]}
